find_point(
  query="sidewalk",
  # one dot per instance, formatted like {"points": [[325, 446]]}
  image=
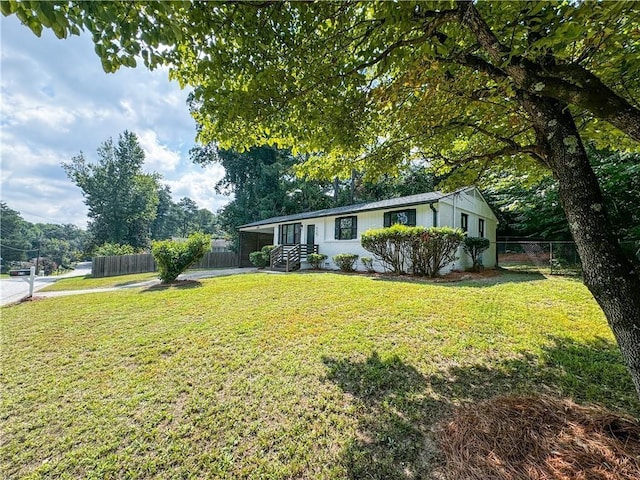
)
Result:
{"points": [[196, 275]]}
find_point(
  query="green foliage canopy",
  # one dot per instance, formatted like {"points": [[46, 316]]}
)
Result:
{"points": [[398, 80], [122, 200]]}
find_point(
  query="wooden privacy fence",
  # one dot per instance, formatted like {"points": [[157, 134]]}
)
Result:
{"points": [[114, 265]]}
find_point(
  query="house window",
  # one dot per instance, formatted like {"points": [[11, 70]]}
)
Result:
{"points": [[346, 228], [290, 233], [481, 227], [464, 222], [403, 217]]}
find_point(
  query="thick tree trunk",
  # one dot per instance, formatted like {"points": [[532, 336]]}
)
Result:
{"points": [[608, 274]]}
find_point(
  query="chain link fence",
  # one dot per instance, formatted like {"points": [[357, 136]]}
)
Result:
{"points": [[550, 257]]}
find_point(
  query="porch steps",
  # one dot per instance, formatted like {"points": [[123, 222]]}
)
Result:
{"points": [[288, 258]]}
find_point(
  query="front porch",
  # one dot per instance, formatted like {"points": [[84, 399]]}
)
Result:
{"points": [[288, 254], [287, 258]]}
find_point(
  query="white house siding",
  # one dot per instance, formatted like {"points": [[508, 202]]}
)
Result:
{"points": [[451, 210], [366, 221]]}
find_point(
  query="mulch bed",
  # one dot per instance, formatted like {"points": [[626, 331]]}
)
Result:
{"points": [[538, 437]]}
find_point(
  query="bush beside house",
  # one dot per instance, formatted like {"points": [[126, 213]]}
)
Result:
{"points": [[345, 261], [316, 260], [474, 246], [261, 258], [419, 250]]}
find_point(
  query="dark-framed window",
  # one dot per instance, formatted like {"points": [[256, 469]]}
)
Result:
{"points": [[346, 228], [464, 222], [403, 217], [290, 233], [481, 227]]}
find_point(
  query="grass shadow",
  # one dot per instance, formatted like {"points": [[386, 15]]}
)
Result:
{"points": [[397, 407], [590, 372], [175, 285], [393, 418], [503, 276]]}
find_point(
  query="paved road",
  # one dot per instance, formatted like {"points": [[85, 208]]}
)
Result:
{"points": [[16, 288]]}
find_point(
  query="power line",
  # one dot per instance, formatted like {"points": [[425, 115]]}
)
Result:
{"points": [[18, 249]]}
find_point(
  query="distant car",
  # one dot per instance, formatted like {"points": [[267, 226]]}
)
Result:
{"points": [[20, 273]]}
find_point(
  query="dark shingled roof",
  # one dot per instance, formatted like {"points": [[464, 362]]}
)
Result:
{"points": [[421, 198]]}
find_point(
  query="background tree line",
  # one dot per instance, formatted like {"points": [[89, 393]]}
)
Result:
{"points": [[20, 241], [263, 184], [127, 208]]}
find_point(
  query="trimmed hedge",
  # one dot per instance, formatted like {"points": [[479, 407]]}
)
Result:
{"points": [[423, 251], [345, 261], [316, 259]]}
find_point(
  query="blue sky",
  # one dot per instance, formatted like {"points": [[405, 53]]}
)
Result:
{"points": [[57, 101]]}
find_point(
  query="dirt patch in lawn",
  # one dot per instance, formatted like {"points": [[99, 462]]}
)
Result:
{"points": [[538, 437]]}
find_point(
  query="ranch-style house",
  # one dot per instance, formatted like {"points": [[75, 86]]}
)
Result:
{"points": [[337, 230]]}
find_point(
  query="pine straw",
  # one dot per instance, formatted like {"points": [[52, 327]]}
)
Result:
{"points": [[536, 437]]}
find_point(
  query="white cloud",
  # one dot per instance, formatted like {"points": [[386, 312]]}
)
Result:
{"points": [[157, 157], [199, 186], [57, 101], [19, 109]]}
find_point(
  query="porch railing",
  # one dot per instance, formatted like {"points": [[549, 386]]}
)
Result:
{"points": [[289, 257]]}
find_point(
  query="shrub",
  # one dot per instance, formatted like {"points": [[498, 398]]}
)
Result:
{"points": [[435, 248], [175, 257], [108, 249], [47, 266], [391, 246], [474, 246], [368, 264], [267, 250], [261, 258], [316, 259], [345, 261], [425, 251]]}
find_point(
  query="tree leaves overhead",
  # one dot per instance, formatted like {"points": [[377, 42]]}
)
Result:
{"points": [[384, 81]]}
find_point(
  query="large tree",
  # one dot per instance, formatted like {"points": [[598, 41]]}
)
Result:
{"points": [[262, 183], [531, 206], [373, 84], [122, 199]]}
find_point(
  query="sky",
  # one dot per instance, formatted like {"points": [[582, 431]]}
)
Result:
{"points": [[56, 101]]}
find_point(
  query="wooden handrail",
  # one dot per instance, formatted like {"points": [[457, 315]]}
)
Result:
{"points": [[291, 255], [276, 254]]}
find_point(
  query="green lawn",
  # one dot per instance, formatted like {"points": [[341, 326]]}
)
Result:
{"points": [[315, 376], [88, 282]]}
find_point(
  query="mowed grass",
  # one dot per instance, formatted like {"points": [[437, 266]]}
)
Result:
{"points": [[88, 282], [315, 376]]}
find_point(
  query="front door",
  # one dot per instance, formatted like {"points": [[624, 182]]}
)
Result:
{"points": [[311, 234]]}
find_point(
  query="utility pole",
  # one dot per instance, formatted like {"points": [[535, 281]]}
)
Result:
{"points": [[38, 258]]}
